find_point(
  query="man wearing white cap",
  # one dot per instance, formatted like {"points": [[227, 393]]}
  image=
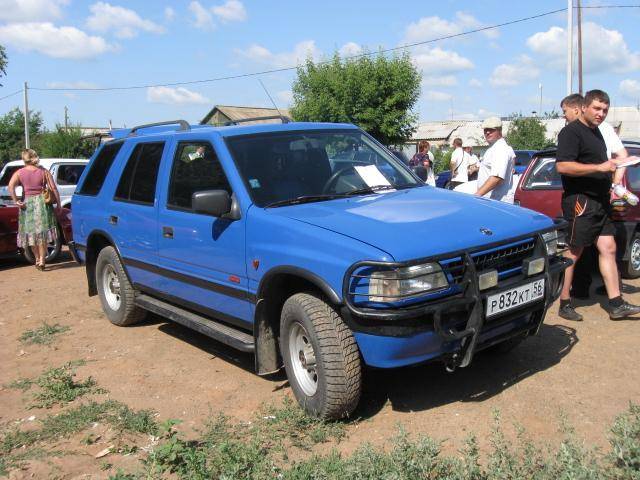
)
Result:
{"points": [[495, 177], [474, 163]]}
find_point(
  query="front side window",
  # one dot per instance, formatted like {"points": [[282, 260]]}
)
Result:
{"points": [[138, 181], [99, 169], [544, 176], [69, 174], [295, 167], [195, 168]]}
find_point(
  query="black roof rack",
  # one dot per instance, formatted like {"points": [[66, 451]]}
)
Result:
{"points": [[184, 125], [283, 118]]}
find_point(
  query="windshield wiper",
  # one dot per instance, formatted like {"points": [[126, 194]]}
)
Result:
{"points": [[303, 199], [373, 188]]}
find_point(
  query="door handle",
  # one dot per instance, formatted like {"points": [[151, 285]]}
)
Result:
{"points": [[113, 220], [167, 232]]}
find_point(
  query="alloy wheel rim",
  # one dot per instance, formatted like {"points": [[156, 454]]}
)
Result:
{"points": [[111, 287], [303, 359], [635, 254]]}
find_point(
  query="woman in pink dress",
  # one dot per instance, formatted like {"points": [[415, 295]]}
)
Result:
{"points": [[37, 225]]}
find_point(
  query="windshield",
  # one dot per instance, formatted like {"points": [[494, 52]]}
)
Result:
{"points": [[7, 173], [315, 166]]}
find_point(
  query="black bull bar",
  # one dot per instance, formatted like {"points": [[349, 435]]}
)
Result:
{"points": [[390, 321]]}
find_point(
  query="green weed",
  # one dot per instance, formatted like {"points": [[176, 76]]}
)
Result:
{"points": [[43, 335], [23, 384], [57, 386]]}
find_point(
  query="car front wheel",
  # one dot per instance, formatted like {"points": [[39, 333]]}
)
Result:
{"points": [[631, 267], [321, 357], [53, 250]]}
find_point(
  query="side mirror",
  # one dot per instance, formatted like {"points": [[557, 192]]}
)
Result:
{"points": [[216, 203]]}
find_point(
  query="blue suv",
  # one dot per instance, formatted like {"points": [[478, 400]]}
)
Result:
{"points": [[311, 246]]}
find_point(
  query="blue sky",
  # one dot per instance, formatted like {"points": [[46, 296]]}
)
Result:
{"points": [[74, 43]]}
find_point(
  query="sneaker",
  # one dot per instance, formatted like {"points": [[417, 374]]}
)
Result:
{"points": [[623, 311], [569, 313]]}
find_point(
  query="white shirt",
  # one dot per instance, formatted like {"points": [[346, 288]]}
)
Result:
{"points": [[431, 178], [498, 161], [459, 159], [611, 138], [473, 159]]}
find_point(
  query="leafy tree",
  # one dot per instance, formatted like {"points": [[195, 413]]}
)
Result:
{"points": [[376, 93], [527, 133], [3, 62], [12, 133], [65, 143], [442, 159]]}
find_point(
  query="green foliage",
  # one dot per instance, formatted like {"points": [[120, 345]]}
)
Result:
{"points": [[12, 133], [43, 335], [442, 160], [65, 143], [527, 133], [625, 443], [3, 62], [375, 93]]}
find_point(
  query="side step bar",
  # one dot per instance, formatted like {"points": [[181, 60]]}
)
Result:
{"points": [[234, 338]]}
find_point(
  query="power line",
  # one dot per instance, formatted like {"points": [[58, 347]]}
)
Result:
{"points": [[285, 69], [11, 94]]}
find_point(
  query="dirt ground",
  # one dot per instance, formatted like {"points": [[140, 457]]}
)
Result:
{"points": [[587, 371]]}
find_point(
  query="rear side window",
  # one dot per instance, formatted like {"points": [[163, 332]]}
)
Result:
{"points": [[138, 181], [8, 173], [195, 168], [99, 169], [69, 174]]}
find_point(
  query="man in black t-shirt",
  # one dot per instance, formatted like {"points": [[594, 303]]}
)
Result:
{"points": [[586, 175]]}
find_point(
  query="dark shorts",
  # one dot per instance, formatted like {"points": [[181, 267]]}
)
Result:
{"points": [[588, 217]]}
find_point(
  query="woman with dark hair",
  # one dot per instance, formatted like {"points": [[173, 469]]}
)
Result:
{"points": [[424, 158], [37, 224]]}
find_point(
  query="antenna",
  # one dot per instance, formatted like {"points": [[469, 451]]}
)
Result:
{"points": [[267, 92]]}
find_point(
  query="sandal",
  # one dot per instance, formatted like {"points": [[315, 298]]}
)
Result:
{"points": [[40, 266]]}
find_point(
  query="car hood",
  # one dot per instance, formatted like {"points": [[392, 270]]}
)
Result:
{"points": [[419, 222]]}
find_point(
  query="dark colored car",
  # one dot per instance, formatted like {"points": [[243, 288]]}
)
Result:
{"points": [[9, 231], [540, 189], [523, 157]]}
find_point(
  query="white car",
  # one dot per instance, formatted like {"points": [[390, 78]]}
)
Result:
{"points": [[65, 171]]}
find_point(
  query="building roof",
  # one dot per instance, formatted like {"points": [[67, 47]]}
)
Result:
{"points": [[240, 113]]}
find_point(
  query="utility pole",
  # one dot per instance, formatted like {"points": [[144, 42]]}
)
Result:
{"points": [[540, 88], [26, 116], [579, 48], [66, 119], [569, 46]]}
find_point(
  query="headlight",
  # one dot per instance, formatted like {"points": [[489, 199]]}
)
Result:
{"points": [[553, 242], [400, 283]]}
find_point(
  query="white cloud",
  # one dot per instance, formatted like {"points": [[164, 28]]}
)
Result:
{"points": [[285, 96], [301, 51], [31, 10], [507, 75], [630, 88], [175, 96], [123, 22], [434, 96], [202, 17], [56, 42], [439, 81], [350, 49], [474, 82], [169, 14], [604, 50], [231, 11], [78, 84], [428, 28], [436, 60]]}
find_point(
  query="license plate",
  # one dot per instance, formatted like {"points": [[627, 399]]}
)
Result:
{"points": [[509, 299]]}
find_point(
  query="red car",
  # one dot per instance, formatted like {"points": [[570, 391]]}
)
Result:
{"points": [[540, 189], [9, 231]]}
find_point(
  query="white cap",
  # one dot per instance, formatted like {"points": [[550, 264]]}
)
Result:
{"points": [[492, 122]]}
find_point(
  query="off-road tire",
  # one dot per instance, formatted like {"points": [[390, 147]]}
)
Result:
{"points": [[337, 358], [52, 255], [628, 269], [127, 313]]}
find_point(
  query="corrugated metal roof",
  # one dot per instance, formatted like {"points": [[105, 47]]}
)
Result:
{"points": [[240, 113]]}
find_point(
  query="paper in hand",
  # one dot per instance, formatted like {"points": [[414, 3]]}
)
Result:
{"points": [[629, 162]]}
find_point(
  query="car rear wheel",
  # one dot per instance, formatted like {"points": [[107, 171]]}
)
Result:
{"points": [[53, 250], [320, 356], [631, 267], [116, 292]]}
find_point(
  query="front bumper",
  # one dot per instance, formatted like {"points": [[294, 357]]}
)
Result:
{"points": [[452, 328]]}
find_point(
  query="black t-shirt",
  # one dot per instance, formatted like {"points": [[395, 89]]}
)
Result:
{"points": [[579, 143]]}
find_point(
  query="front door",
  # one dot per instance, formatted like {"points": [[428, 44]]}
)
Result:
{"points": [[202, 257]]}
